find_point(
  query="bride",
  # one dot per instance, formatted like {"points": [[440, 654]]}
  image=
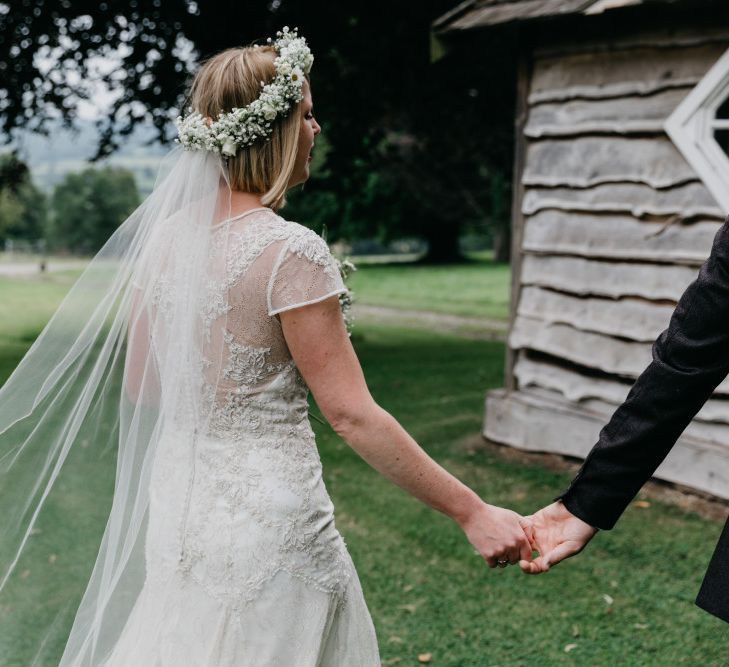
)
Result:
{"points": [[190, 343]]}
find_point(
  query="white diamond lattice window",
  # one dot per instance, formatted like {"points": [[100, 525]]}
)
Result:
{"points": [[699, 127], [720, 126]]}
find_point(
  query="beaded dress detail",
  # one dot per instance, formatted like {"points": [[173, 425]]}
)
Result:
{"points": [[244, 564]]}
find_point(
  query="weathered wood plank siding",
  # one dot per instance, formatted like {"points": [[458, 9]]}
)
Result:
{"points": [[586, 161], [613, 115], [578, 387], [614, 225], [688, 201], [588, 277], [636, 319], [535, 423], [644, 69], [617, 237]]}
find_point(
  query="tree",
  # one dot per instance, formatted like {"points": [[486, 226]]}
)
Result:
{"points": [[410, 144], [22, 206], [11, 211], [88, 207]]}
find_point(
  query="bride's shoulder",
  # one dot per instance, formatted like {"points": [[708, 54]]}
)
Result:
{"points": [[305, 243], [301, 239], [293, 229], [272, 231], [282, 228]]}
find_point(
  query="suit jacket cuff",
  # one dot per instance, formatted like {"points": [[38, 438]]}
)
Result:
{"points": [[585, 506]]}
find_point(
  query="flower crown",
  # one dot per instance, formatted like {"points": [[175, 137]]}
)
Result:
{"points": [[246, 125]]}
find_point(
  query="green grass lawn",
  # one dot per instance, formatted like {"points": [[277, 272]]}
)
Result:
{"points": [[478, 289], [428, 592], [25, 306], [627, 600]]}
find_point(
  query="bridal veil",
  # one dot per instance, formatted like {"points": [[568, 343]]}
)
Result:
{"points": [[92, 394]]}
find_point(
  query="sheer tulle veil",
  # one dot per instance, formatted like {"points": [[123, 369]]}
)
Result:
{"points": [[82, 413]]}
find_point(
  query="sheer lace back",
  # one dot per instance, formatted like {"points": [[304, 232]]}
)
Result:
{"points": [[260, 265], [248, 500]]}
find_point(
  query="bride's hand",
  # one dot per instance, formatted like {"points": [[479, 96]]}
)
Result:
{"points": [[499, 535]]}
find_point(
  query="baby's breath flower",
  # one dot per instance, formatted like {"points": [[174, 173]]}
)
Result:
{"points": [[242, 127], [346, 267]]}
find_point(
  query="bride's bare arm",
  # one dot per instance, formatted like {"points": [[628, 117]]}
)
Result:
{"points": [[138, 355], [320, 347]]}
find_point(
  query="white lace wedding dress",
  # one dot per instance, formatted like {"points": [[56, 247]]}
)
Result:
{"points": [[244, 564]]}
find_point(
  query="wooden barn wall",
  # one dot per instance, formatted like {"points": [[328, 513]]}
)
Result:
{"points": [[612, 225]]}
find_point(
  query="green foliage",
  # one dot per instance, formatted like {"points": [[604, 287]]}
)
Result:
{"points": [[11, 211], [88, 207], [23, 207], [415, 147]]}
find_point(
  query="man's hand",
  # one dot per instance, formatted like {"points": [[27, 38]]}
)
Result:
{"points": [[556, 534]]}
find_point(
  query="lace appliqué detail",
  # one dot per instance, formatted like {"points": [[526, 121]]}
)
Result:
{"points": [[164, 296], [254, 513], [248, 365], [244, 499], [243, 248], [311, 246], [236, 415]]}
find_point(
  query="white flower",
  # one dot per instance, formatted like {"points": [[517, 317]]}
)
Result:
{"points": [[297, 77], [244, 126], [229, 148], [269, 113]]}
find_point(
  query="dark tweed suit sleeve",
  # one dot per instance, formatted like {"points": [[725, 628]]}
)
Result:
{"points": [[690, 359]]}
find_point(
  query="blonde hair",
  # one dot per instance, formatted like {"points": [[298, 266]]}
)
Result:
{"points": [[232, 78]]}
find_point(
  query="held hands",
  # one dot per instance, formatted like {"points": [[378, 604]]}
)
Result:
{"points": [[503, 537], [556, 534], [498, 535]]}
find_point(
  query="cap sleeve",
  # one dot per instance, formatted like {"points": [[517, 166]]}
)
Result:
{"points": [[305, 272]]}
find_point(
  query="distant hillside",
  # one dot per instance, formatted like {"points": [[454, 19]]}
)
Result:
{"points": [[51, 158]]}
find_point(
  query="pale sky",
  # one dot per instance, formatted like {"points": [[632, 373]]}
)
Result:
{"points": [[100, 96]]}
